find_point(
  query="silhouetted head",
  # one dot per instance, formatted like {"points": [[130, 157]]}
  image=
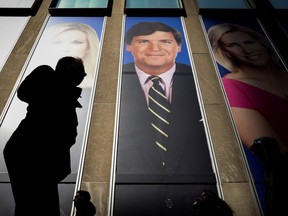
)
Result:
{"points": [[210, 204], [81, 197], [71, 69]]}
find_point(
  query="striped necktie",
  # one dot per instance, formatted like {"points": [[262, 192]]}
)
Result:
{"points": [[159, 108]]}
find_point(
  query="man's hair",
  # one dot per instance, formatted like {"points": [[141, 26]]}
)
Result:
{"points": [[85, 195], [147, 28], [70, 63]]}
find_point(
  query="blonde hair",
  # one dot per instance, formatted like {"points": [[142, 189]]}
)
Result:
{"points": [[215, 34]]}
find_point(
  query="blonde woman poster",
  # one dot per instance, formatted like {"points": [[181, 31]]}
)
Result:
{"points": [[255, 82], [62, 36]]}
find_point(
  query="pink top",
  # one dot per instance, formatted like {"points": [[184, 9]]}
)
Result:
{"points": [[272, 107]]}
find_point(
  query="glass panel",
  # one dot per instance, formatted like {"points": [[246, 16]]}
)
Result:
{"points": [[284, 25], [155, 199], [82, 4], [16, 3], [153, 4], [236, 4], [279, 4]]}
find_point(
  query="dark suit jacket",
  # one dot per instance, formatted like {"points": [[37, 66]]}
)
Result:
{"points": [[138, 157]]}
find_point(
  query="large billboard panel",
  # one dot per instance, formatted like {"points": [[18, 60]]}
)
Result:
{"points": [[254, 80], [61, 36], [163, 162]]}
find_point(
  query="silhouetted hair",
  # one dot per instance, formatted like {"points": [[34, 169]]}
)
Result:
{"points": [[147, 28], [71, 69], [85, 195], [210, 204]]}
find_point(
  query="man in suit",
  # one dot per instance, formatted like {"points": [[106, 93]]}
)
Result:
{"points": [[152, 180], [154, 46]]}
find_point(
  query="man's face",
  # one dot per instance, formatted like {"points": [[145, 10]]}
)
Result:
{"points": [[154, 53]]}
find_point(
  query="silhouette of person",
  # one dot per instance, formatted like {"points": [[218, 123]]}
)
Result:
{"points": [[83, 205], [37, 155], [210, 204]]}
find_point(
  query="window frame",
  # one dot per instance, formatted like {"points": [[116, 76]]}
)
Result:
{"points": [[21, 11], [225, 12], [83, 12], [156, 12]]}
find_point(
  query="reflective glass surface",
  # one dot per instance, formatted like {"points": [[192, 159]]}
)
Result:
{"points": [[222, 4], [16, 3], [279, 4], [82, 4], [153, 4]]}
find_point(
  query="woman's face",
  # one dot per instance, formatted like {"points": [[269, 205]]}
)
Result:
{"points": [[245, 49], [70, 43]]}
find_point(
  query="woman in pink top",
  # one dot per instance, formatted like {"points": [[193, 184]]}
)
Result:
{"points": [[255, 70], [257, 91]]}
